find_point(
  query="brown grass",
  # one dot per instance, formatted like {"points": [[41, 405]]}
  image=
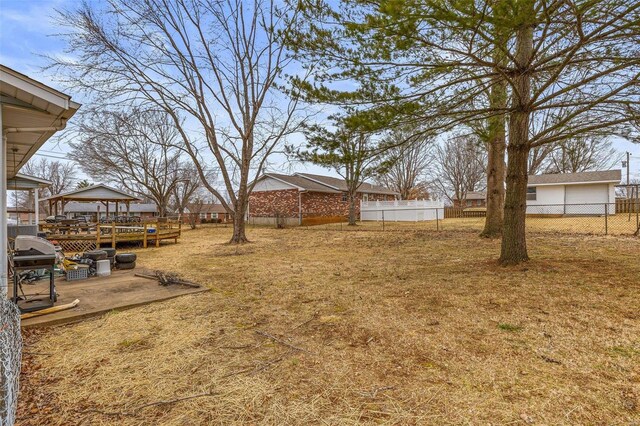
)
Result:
{"points": [[412, 327]]}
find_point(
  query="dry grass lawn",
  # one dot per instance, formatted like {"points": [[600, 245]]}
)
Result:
{"points": [[328, 327]]}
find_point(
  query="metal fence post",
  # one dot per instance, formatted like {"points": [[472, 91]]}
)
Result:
{"points": [[606, 219], [383, 220], [437, 221]]}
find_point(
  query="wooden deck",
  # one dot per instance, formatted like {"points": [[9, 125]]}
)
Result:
{"points": [[82, 237]]}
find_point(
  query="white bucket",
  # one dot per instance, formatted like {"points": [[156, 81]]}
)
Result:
{"points": [[103, 267]]}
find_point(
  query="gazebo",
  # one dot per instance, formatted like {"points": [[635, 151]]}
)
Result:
{"points": [[95, 193]]}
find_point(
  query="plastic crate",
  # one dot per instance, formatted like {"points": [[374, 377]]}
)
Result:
{"points": [[78, 274]]}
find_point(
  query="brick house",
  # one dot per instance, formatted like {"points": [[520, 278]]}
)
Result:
{"points": [[473, 199], [209, 213], [304, 197]]}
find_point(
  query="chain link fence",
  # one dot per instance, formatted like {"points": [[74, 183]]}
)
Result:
{"points": [[10, 358], [587, 219]]}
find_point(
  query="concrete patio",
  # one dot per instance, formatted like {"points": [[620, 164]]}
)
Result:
{"points": [[99, 295]]}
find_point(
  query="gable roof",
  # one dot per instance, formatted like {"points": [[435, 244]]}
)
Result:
{"points": [[340, 185], [206, 208], [23, 182], [475, 195], [603, 176], [98, 192], [94, 206], [301, 183], [320, 183]]}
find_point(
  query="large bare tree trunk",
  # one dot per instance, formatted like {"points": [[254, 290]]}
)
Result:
{"points": [[514, 240], [239, 223], [239, 213]]}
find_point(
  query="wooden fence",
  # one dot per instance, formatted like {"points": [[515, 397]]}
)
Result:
{"points": [[627, 205], [459, 213]]}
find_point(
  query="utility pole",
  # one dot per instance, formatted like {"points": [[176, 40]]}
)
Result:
{"points": [[628, 166]]}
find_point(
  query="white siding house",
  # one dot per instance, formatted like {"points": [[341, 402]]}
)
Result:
{"points": [[585, 193]]}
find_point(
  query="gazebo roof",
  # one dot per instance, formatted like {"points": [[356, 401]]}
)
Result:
{"points": [[22, 182], [99, 192]]}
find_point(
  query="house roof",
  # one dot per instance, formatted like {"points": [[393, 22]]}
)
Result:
{"points": [[475, 195], [31, 113], [301, 183], [92, 207], [207, 208], [603, 176], [98, 192], [340, 184]]}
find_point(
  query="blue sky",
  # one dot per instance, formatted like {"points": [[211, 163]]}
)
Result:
{"points": [[27, 31]]}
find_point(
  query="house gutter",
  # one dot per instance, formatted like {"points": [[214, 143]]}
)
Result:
{"points": [[35, 129]]}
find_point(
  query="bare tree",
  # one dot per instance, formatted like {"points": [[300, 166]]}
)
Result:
{"points": [[187, 186], [133, 149], [194, 208], [459, 167], [539, 158], [583, 154], [212, 65], [405, 165], [62, 175]]}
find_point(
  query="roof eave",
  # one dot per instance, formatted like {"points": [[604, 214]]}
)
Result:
{"points": [[590, 182]]}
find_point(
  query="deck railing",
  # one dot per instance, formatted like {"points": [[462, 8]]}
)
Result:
{"points": [[75, 235]]}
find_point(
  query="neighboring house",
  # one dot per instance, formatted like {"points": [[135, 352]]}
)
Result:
{"points": [[209, 212], [293, 198], [472, 199], [94, 209], [585, 193]]}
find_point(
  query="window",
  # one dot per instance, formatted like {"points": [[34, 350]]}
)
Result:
{"points": [[532, 193], [365, 198], [203, 215], [344, 197]]}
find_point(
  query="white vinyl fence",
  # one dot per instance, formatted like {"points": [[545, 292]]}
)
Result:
{"points": [[402, 210]]}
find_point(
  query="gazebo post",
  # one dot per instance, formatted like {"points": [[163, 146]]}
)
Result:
{"points": [[128, 208], [30, 215], [107, 203], [36, 208], [117, 208]]}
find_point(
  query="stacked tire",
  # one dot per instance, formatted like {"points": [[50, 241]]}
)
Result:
{"points": [[91, 257], [125, 261], [111, 255]]}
